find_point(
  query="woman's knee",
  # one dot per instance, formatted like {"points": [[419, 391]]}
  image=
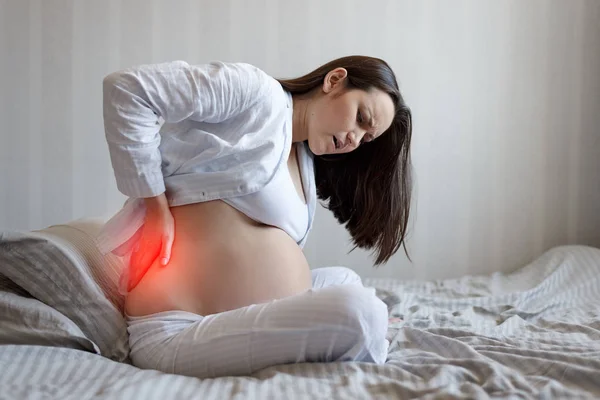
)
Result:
{"points": [[331, 276], [366, 316], [361, 304]]}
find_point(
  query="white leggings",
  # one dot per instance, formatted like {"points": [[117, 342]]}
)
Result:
{"points": [[337, 320]]}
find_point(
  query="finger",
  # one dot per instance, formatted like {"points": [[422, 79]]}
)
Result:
{"points": [[141, 261], [134, 260], [134, 279], [167, 244], [139, 270], [149, 255], [136, 271]]}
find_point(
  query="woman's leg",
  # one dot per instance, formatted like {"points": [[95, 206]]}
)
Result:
{"points": [[337, 323], [329, 276]]}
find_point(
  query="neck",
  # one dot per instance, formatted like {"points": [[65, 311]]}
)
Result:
{"points": [[300, 118]]}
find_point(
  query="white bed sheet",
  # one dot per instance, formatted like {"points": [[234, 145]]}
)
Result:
{"points": [[531, 334]]}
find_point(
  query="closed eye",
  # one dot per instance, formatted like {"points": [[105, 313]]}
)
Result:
{"points": [[359, 117]]}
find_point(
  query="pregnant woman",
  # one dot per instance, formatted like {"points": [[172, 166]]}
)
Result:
{"points": [[223, 165]]}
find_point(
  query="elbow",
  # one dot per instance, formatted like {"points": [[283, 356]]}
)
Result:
{"points": [[109, 82]]}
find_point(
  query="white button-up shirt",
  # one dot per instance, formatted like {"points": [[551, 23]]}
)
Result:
{"points": [[199, 133]]}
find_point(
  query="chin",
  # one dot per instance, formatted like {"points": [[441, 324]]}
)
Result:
{"points": [[316, 150]]}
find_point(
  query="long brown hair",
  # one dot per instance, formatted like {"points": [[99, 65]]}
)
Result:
{"points": [[368, 189]]}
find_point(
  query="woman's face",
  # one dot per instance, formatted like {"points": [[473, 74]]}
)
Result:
{"points": [[340, 119]]}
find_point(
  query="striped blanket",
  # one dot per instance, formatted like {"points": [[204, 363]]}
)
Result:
{"points": [[531, 334]]}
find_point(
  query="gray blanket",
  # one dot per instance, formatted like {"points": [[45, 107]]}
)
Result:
{"points": [[534, 334]]}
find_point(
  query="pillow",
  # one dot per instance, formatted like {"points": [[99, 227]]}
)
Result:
{"points": [[27, 321], [61, 267], [79, 238]]}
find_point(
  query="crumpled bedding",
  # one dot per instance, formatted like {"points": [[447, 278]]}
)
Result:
{"points": [[531, 334]]}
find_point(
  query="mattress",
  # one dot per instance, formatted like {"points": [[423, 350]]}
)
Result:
{"points": [[530, 334]]}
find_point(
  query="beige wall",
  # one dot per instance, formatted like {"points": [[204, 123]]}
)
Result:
{"points": [[505, 95]]}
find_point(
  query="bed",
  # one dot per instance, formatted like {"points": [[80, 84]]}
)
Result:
{"points": [[530, 334]]}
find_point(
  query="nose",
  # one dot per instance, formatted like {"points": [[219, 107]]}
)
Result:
{"points": [[356, 137]]}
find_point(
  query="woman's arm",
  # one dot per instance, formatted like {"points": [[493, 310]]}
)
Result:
{"points": [[136, 103], [138, 100]]}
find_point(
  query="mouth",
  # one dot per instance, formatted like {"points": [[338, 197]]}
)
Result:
{"points": [[336, 143]]}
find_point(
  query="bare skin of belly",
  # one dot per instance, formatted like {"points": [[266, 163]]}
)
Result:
{"points": [[221, 260]]}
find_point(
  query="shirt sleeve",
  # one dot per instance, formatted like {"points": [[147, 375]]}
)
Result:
{"points": [[138, 100]]}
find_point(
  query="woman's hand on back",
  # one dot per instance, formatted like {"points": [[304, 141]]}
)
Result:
{"points": [[155, 241]]}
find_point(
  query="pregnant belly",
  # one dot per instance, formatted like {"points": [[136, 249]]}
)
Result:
{"points": [[221, 260]]}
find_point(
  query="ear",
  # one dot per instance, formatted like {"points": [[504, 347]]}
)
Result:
{"points": [[334, 79]]}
